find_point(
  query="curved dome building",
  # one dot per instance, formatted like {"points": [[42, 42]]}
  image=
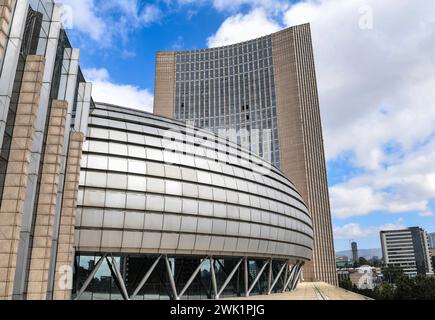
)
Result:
{"points": [[169, 211]]}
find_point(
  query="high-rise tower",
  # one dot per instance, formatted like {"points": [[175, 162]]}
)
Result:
{"points": [[265, 88], [354, 246]]}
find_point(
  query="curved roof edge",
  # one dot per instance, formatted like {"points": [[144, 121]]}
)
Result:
{"points": [[182, 124], [239, 43]]}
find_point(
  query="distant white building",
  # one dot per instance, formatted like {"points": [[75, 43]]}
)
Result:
{"points": [[407, 249], [432, 240], [364, 277]]}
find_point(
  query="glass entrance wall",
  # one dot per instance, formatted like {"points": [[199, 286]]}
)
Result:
{"points": [[104, 284]]}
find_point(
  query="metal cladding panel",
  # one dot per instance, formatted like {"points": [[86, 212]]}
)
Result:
{"points": [[150, 184]]}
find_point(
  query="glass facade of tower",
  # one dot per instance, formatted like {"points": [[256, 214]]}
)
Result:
{"points": [[231, 87]]}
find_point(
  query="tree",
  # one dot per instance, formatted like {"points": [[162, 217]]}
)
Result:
{"points": [[392, 274], [346, 284], [424, 288], [384, 292], [405, 288], [375, 263], [362, 261]]}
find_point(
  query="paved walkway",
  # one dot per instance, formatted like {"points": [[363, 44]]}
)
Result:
{"points": [[313, 291]]}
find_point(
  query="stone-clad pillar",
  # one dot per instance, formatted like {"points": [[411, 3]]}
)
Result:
{"points": [[43, 233], [164, 95], [17, 172], [5, 20], [65, 249]]}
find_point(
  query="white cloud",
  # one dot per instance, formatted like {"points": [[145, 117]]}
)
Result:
{"points": [[406, 186], [104, 90], [178, 44], [82, 17], [373, 82], [426, 214], [151, 13], [376, 89], [102, 20], [354, 230], [234, 5], [241, 27]]}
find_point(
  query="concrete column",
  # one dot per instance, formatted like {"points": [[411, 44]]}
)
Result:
{"points": [[17, 172], [9, 61], [301, 141], [5, 20], [65, 248], [42, 239], [165, 84], [67, 91]]}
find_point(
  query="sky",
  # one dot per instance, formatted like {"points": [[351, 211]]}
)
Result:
{"points": [[375, 64]]}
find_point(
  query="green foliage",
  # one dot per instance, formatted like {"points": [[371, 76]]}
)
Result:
{"points": [[346, 284], [384, 292], [377, 263], [405, 288], [424, 287], [362, 261], [418, 288], [392, 274]]}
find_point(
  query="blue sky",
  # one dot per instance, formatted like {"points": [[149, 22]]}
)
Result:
{"points": [[375, 64]]}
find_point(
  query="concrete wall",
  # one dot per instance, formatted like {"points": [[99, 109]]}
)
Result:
{"points": [[17, 173], [301, 141], [164, 95]]}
